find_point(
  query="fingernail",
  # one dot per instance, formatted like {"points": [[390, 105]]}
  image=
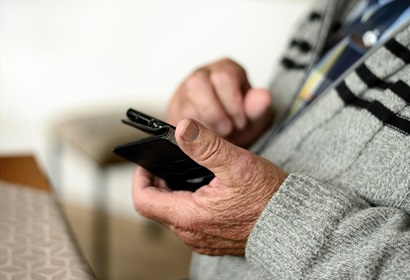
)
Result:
{"points": [[190, 132]]}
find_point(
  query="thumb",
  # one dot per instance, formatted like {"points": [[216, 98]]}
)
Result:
{"points": [[227, 161]]}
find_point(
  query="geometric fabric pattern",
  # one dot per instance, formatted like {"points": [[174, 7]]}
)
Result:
{"points": [[35, 240]]}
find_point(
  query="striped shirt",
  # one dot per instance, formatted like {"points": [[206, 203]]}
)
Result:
{"points": [[368, 24]]}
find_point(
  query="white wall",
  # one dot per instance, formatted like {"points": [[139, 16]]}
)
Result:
{"points": [[65, 54]]}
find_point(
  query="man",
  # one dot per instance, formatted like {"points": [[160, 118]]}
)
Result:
{"points": [[325, 192]]}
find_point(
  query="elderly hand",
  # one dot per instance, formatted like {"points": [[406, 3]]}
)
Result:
{"points": [[218, 218], [220, 97]]}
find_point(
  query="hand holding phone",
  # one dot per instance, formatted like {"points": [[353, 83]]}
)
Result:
{"points": [[161, 155]]}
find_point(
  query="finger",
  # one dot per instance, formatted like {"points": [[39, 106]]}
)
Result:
{"points": [[257, 105], [228, 162], [143, 178], [158, 203], [201, 94], [229, 90]]}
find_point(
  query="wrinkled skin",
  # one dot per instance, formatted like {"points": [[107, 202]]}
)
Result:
{"points": [[216, 219], [217, 113], [220, 97]]}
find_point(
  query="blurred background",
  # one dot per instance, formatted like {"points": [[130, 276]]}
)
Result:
{"points": [[70, 69]]}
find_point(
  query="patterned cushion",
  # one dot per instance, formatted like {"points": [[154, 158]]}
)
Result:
{"points": [[35, 241]]}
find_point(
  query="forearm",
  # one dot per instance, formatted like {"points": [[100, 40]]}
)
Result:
{"points": [[314, 230]]}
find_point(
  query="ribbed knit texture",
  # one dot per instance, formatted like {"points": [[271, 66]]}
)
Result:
{"points": [[344, 210], [315, 231]]}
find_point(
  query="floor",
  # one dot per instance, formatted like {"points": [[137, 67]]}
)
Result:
{"points": [[136, 249]]}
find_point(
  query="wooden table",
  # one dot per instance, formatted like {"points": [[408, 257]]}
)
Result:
{"points": [[23, 170]]}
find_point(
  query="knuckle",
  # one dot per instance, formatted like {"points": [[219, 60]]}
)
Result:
{"points": [[210, 114], [189, 112], [248, 166], [197, 80], [224, 77], [226, 61], [212, 150], [232, 65]]}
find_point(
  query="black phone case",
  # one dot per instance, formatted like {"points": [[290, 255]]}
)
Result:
{"points": [[161, 155]]}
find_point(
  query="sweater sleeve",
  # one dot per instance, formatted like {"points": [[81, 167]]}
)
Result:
{"points": [[312, 230]]}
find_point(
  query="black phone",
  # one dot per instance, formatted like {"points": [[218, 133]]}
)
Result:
{"points": [[161, 155]]}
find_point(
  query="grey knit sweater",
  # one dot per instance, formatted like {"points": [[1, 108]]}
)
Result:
{"points": [[344, 210]]}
